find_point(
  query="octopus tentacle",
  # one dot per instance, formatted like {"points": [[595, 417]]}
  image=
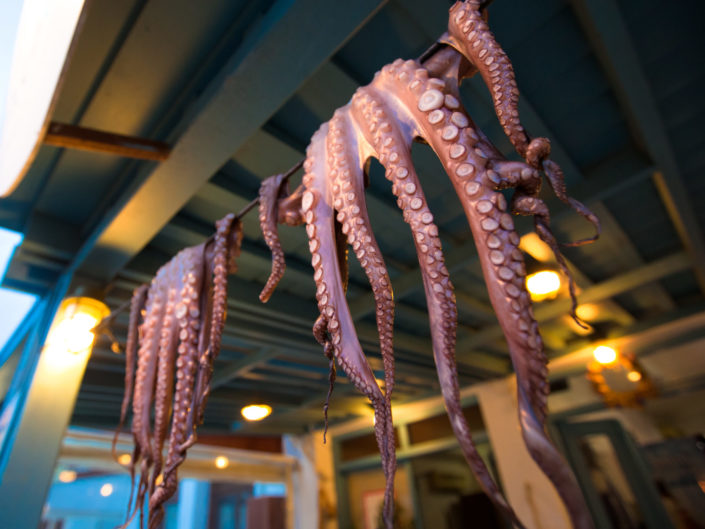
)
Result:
{"points": [[449, 133], [349, 192], [320, 333], [429, 112], [269, 194], [349, 201], [137, 304], [529, 205], [187, 313], [228, 239], [144, 383], [165, 383], [319, 216], [470, 35], [554, 174], [139, 297], [289, 206]]}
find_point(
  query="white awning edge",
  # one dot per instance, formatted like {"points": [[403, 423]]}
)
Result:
{"points": [[44, 37]]}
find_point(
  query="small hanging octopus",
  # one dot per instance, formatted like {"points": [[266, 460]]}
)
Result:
{"points": [[183, 313], [408, 100]]}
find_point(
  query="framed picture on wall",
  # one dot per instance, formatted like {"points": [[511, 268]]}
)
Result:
{"points": [[372, 502]]}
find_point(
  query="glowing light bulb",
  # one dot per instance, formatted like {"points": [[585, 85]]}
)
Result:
{"points": [[71, 331], [604, 355], [74, 334], [67, 476], [634, 376], [256, 412], [124, 459], [587, 311], [221, 462], [106, 490], [543, 285]]}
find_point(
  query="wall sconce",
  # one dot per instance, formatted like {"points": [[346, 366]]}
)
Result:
{"points": [[543, 285], [256, 412], [72, 333], [618, 378]]}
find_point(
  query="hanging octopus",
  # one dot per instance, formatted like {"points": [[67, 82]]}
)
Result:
{"points": [[408, 100], [183, 314]]}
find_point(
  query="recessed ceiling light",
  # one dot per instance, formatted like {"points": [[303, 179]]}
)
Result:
{"points": [[543, 285], [256, 412], [604, 355]]}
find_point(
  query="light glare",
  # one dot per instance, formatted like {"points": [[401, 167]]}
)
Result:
{"points": [[604, 355], [221, 462], [587, 311], [71, 331], [634, 376], [256, 412], [106, 490], [67, 476], [124, 459], [543, 285]]}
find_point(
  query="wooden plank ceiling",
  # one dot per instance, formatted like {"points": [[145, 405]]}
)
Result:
{"points": [[236, 89]]}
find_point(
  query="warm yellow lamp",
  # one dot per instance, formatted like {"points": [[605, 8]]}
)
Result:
{"points": [[543, 285], [604, 354], [72, 330], [67, 476], [634, 376], [221, 462], [256, 412], [106, 490]]}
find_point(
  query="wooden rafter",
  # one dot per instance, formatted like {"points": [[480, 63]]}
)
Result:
{"points": [[608, 34], [82, 138]]}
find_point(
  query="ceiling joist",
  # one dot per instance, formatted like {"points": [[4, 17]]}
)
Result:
{"points": [[268, 68], [605, 28]]}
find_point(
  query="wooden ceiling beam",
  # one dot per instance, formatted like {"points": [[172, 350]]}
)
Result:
{"points": [[277, 56], [609, 37], [86, 139], [591, 193], [641, 275], [287, 316]]}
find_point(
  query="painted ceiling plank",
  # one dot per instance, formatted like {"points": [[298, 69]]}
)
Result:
{"points": [[278, 57], [281, 314], [614, 286], [606, 29], [82, 138], [588, 191]]}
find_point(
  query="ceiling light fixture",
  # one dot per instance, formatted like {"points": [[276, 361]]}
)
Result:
{"points": [[588, 311], [106, 490], [72, 330], [634, 376], [604, 355], [256, 412], [67, 476], [543, 285]]}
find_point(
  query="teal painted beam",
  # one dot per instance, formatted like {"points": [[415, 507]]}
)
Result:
{"points": [[642, 275], [291, 42], [35, 415], [610, 39]]}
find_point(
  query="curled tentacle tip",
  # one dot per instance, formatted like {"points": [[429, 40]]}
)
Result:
{"points": [[581, 242], [598, 230], [579, 322]]}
